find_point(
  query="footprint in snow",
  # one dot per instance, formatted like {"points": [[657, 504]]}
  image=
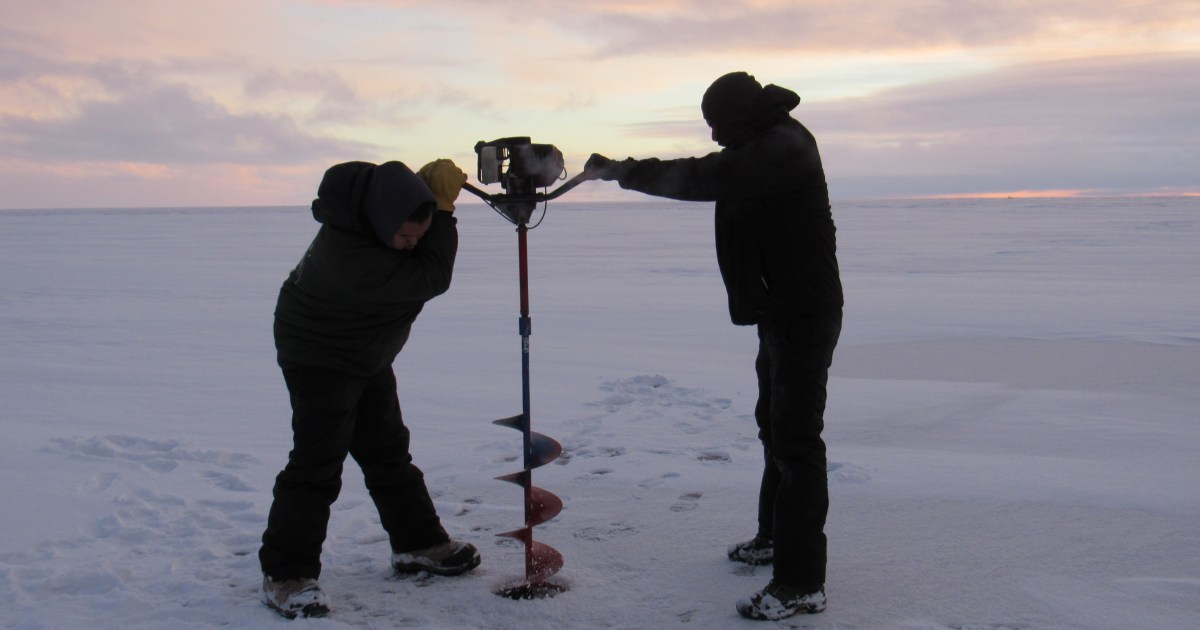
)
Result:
{"points": [[601, 451], [985, 627], [847, 473], [162, 456], [654, 393], [606, 532], [100, 483], [468, 505], [745, 570], [658, 481], [225, 481], [227, 507], [719, 457], [687, 502], [596, 474]]}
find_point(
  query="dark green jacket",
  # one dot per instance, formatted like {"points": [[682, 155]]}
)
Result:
{"points": [[350, 303], [774, 231]]}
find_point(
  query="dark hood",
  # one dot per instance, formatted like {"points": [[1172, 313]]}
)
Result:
{"points": [[370, 199], [737, 107]]}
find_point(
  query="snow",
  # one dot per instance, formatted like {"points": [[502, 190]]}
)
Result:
{"points": [[1012, 420]]}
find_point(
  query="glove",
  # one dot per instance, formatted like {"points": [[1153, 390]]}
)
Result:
{"points": [[600, 167], [445, 180]]}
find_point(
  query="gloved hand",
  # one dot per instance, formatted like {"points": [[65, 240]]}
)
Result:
{"points": [[600, 167], [445, 180]]}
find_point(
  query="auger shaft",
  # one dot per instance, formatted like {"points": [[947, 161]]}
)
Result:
{"points": [[541, 560], [526, 329], [517, 205]]}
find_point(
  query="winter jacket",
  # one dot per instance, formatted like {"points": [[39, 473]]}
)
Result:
{"points": [[350, 303], [774, 230]]}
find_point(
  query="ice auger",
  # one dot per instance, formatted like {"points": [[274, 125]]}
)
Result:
{"points": [[521, 167]]}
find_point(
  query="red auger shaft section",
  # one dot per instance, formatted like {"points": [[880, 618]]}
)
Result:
{"points": [[541, 561]]}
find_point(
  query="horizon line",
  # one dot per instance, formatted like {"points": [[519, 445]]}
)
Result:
{"points": [[1017, 194], [1065, 193]]}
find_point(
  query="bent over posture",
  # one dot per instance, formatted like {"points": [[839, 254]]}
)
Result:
{"points": [[777, 255], [386, 246]]}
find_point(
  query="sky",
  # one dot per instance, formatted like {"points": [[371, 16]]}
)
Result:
{"points": [[142, 103]]}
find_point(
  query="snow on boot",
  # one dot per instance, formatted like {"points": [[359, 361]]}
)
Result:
{"points": [[450, 558], [292, 598], [778, 601], [758, 550]]}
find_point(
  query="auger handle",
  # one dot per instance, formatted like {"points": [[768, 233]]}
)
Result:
{"points": [[535, 198]]}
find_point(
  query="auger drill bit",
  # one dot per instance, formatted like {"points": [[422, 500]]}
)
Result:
{"points": [[541, 560]]}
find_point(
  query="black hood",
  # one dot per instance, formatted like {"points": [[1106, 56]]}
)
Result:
{"points": [[737, 107], [370, 199]]}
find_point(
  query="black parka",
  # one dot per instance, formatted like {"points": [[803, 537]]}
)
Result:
{"points": [[774, 231], [350, 303]]}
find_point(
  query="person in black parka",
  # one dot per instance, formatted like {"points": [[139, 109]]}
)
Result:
{"points": [[776, 251], [386, 246]]}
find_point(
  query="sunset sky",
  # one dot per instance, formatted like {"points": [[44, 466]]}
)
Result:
{"points": [[133, 103]]}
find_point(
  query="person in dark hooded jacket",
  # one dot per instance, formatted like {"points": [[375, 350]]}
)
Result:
{"points": [[386, 246], [777, 255]]}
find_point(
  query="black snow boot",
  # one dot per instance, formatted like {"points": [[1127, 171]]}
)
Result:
{"points": [[758, 550], [778, 600]]}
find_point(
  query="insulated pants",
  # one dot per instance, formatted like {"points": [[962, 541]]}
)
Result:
{"points": [[793, 369], [335, 414]]}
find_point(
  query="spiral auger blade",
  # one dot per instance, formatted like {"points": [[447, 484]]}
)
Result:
{"points": [[541, 560]]}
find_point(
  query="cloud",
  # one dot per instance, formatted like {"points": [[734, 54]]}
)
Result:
{"points": [[675, 129], [268, 81], [1103, 124], [15, 62], [166, 123], [847, 26], [905, 97], [147, 112], [1113, 124]]}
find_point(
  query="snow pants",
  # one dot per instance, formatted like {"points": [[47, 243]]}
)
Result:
{"points": [[335, 414], [793, 369]]}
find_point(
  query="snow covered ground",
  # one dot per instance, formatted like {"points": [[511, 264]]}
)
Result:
{"points": [[1012, 420]]}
